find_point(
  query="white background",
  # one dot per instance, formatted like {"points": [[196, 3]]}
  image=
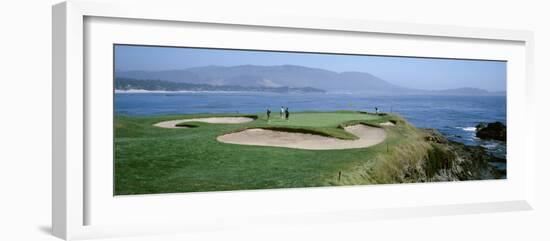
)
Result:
{"points": [[25, 123]]}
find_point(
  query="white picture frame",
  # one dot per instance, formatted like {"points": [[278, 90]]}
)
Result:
{"points": [[71, 117]]}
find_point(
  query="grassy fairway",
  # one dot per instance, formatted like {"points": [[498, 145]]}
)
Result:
{"points": [[150, 159]]}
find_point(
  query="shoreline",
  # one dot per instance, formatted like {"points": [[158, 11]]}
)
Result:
{"points": [[368, 94], [142, 91]]}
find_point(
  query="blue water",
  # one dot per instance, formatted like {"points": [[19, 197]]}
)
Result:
{"points": [[454, 116]]}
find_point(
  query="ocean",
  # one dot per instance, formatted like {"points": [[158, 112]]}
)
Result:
{"points": [[454, 116]]}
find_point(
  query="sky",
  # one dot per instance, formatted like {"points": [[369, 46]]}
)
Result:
{"points": [[419, 73]]}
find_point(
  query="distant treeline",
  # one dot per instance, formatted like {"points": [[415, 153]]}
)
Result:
{"points": [[159, 85]]}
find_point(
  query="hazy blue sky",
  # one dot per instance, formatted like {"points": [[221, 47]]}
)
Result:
{"points": [[421, 73]]}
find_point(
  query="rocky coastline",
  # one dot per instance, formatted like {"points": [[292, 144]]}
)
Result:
{"points": [[453, 161]]}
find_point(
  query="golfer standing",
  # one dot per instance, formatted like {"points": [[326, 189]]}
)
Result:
{"points": [[268, 112], [282, 112], [286, 113]]}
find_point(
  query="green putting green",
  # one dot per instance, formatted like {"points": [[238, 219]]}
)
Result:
{"points": [[319, 119]]}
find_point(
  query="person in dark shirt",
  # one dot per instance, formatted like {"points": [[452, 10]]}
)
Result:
{"points": [[286, 113], [268, 113]]}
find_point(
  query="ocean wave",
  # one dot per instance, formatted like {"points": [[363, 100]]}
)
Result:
{"points": [[469, 129], [490, 146]]}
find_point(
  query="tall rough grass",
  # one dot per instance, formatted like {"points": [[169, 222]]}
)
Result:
{"points": [[412, 155], [403, 163]]}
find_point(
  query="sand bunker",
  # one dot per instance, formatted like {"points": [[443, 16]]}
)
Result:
{"points": [[212, 120], [387, 123], [368, 136]]}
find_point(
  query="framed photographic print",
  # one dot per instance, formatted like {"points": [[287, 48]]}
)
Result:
{"points": [[177, 121], [191, 119]]}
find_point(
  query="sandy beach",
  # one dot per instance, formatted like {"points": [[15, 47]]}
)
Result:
{"points": [[368, 136], [387, 123], [211, 120]]}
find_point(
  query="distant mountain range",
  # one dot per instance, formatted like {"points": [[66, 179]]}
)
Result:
{"points": [[282, 78]]}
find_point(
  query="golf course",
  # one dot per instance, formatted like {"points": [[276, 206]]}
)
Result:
{"points": [[206, 152]]}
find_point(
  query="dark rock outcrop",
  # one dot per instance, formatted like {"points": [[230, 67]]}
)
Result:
{"points": [[450, 160], [494, 131]]}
